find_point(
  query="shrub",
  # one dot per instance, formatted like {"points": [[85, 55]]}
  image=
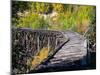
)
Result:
{"points": [[32, 20]]}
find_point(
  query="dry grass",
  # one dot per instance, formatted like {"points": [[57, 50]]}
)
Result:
{"points": [[42, 55]]}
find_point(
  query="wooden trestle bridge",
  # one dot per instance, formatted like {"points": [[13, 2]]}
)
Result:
{"points": [[65, 47]]}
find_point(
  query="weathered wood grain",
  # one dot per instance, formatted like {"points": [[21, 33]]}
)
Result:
{"points": [[27, 43], [72, 51], [66, 48]]}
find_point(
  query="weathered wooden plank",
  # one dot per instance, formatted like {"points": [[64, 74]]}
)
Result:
{"points": [[27, 43], [72, 51]]}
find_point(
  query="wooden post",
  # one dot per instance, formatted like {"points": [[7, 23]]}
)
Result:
{"points": [[56, 42], [38, 47], [48, 43], [88, 53]]}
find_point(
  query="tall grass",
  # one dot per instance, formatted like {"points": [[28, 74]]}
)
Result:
{"points": [[70, 17], [32, 20]]}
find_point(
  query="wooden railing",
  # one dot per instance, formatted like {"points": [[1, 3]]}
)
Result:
{"points": [[26, 43]]}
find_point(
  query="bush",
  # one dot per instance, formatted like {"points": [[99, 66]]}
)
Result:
{"points": [[32, 20]]}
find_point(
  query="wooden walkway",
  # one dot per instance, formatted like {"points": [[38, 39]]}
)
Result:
{"points": [[67, 48], [75, 49]]}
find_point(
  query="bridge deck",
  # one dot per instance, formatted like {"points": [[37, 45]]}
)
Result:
{"points": [[66, 48], [73, 50]]}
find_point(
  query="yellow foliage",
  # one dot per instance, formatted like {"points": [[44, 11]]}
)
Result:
{"points": [[58, 7], [43, 54]]}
